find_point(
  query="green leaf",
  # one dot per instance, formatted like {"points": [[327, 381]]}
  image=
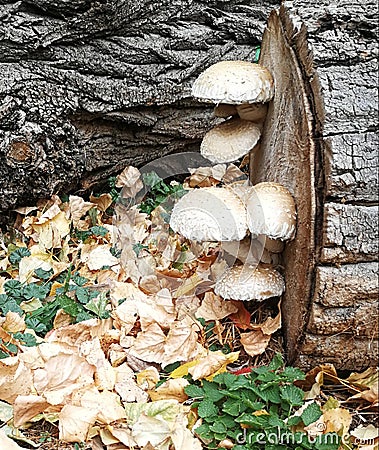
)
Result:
{"points": [[292, 373], [151, 179], [204, 432], [194, 391], [34, 290], [16, 256], [271, 394], [83, 315], [82, 294], [11, 305], [26, 339], [35, 324], [98, 306], [292, 394], [207, 408], [68, 305], [99, 231], [211, 391], [218, 427], [13, 288], [277, 362], [311, 413], [138, 247], [43, 274], [78, 280]]}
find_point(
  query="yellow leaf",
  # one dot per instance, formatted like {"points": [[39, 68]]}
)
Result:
{"points": [[148, 378], [261, 412], [212, 364], [182, 370]]}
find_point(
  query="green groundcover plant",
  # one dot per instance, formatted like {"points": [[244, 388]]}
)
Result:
{"points": [[257, 410]]}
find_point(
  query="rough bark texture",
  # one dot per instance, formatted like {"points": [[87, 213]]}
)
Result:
{"points": [[89, 87], [323, 147]]}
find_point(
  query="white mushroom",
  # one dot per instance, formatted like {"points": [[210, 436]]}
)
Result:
{"points": [[271, 211], [250, 283], [210, 214], [230, 140], [242, 83], [235, 83]]}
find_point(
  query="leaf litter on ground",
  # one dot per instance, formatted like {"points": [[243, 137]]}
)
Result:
{"points": [[109, 326]]}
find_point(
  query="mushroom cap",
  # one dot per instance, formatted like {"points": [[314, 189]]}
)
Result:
{"points": [[271, 211], [230, 140], [250, 283], [234, 82], [210, 214]]}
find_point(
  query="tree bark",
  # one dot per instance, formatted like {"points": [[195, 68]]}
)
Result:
{"points": [[320, 140], [87, 88]]}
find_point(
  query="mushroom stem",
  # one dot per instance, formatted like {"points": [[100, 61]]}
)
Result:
{"points": [[254, 112], [274, 245]]}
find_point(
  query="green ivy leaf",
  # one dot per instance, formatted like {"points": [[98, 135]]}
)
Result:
{"points": [[11, 305], [34, 290], [43, 274], [99, 231]]}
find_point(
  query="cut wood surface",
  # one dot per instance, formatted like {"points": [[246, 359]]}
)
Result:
{"points": [[87, 88], [320, 140]]}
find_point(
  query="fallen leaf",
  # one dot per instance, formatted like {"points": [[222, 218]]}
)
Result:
{"points": [[173, 388], [15, 379], [126, 385], [103, 202], [148, 378], [13, 323], [366, 379], [74, 423], [214, 307], [337, 420], [255, 342], [241, 318], [181, 343], [130, 180], [270, 325], [149, 344], [212, 364], [7, 443], [77, 208], [26, 407], [366, 437], [100, 256]]}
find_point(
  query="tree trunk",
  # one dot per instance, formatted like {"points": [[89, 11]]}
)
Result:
{"points": [[320, 141], [87, 88]]}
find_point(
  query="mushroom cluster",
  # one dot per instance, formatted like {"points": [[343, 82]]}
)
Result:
{"points": [[238, 214], [238, 88]]}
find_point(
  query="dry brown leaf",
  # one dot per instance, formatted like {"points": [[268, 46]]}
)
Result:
{"points": [[106, 405], [51, 228], [214, 307], [255, 342], [100, 256], [130, 180], [75, 422], [158, 308], [103, 202], [77, 207], [181, 343], [370, 395], [124, 435], [270, 325], [173, 388], [337, 420], [15, 379], [61, 318], [148, 378], [26, 407], [61, 375], [241, 318], [126, 385], [366, 379], [105, 375], [13, 322], [77, 333], [149, 344]]}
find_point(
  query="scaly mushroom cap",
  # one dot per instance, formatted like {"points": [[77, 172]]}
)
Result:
{"points": [[234, 82], [249, 283], [230, 140], [271, 211], [210, 214]]}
